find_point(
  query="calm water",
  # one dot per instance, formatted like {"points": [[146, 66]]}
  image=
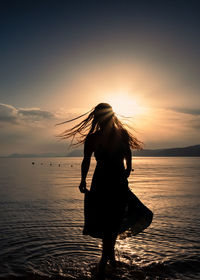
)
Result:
{"points": [[41, 219]]}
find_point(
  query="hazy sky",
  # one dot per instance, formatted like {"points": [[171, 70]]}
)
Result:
{"points": [[60, 58]]}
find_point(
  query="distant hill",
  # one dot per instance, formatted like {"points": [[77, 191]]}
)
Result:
{"points": [[191, 151], [75, 153]]}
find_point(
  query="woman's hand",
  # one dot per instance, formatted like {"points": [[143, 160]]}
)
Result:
{"points": [[127, 173], [82, 187]]}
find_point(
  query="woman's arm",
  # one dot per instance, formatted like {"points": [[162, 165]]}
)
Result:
{"points": [[128, 159], [88, 150]]}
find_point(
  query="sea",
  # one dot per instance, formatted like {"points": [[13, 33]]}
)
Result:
{"points": [[41, 221]]}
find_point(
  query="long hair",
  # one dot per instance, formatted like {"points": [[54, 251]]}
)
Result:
{"points": [[100, 117]]}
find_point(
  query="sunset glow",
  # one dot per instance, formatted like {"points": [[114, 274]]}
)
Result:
{"points": [[61, 61], [125, 105]]}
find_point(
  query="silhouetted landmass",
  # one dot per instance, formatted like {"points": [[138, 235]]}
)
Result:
{"points": [[191, 151], [75, 153]]}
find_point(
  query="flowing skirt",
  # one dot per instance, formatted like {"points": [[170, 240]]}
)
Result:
{"points": [[122, 214]]}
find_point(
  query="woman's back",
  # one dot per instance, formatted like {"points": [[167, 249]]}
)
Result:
{"points": [[108, 146], [109, 173]]}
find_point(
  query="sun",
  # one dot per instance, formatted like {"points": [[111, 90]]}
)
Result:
{"points": [[125, 105]]}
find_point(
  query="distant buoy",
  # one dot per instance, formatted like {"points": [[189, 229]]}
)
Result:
{"points": [[59, 164], [33, 162], [50, 164]]}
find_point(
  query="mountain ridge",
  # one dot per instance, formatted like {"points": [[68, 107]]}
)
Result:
{"points": [[189, 151]]}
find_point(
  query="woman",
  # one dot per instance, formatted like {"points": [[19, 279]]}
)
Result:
{"points": [[105, 202]]}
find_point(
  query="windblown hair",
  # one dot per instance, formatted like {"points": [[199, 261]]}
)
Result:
{"points": [[100, 117]]}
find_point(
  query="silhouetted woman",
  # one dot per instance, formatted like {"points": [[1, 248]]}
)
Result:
{"points": [[105, 202]]}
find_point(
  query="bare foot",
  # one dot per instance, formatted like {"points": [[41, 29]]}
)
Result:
{"points": [[101, 266], [113, 263]]}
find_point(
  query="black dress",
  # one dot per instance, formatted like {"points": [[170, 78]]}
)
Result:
{"points": [[110, 208]]}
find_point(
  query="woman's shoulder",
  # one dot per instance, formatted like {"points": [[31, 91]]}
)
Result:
{"points": [[92, 137]]}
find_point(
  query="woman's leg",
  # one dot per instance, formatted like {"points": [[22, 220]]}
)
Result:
{"points": [[108, 250], [104, 258], [106, 244], [112, 250]]}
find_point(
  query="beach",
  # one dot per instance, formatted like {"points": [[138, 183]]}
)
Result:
{"points": [[41, 221]]}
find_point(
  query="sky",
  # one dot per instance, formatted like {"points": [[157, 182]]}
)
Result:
{"points": [[59, 59]]}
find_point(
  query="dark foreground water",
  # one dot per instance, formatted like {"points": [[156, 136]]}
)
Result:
{"points": [[41, 219]]}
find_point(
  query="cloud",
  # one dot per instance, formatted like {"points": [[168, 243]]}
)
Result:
{"points": [[30, 130], [186, 111], [162, 128], [35, 114], [12, 115], [8, 113]]}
